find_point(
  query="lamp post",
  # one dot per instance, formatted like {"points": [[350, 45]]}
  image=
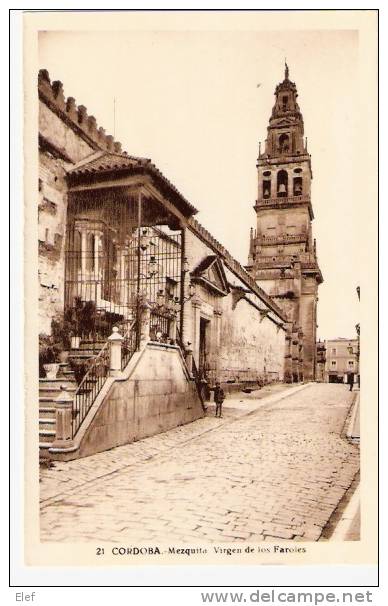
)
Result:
{"points": [[358, 290], [358, 354]]}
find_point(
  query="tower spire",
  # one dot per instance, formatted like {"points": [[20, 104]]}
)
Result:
{"points": [[286, 70]]}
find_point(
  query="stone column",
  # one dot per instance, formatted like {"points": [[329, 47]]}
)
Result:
{"points": [[115, 342], [96, 254], [121, 250], [172, 329], [63, 420], [97, 276], [84, 246]]}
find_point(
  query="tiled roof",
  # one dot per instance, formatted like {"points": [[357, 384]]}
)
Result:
{"points": [[203, 265], [101, 162]]}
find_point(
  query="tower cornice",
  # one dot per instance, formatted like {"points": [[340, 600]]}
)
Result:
{"points": [[289, 202]]}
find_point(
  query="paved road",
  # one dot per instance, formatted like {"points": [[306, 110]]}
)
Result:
{"points": [[271, 469]]}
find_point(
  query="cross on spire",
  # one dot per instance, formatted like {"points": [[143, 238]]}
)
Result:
{"points": [[286, 70]]}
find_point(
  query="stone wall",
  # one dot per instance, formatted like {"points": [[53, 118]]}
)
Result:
{"points": [[250, 347], [66, 135], [244, 344], [60, 146], [52, 207], [157, 397]]}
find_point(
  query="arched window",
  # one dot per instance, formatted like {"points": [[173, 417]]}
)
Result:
{"points": [[298, 186], [282, 184], [284, 143]]}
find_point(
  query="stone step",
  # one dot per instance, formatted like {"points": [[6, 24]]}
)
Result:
{"points": [[44, 383], [47, 400], [90, 345], [54, 391], [46, 424], [44, 446], [68, 374], [46, 435], [46, 412], [83, 355]]}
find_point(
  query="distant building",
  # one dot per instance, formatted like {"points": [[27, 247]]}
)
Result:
{"points": [[341, 360]]}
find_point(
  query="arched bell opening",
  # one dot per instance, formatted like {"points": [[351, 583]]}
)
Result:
{"points": [[297, 186], [266, 188], [282, 184], [266, 184]]}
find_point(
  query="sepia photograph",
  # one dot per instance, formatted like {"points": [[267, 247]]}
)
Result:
{"points": [[194, 243]]}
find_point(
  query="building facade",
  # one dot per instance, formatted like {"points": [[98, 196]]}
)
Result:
{"points": [[341, 360], [123, 259], [282, 253]]}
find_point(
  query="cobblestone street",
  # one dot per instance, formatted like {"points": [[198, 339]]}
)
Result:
{"points": [[271, 469]]}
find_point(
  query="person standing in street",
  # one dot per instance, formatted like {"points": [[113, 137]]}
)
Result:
{"points": [[219, 397], [351, 381]]}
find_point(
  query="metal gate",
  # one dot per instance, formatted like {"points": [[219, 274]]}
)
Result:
{"points": [[114, 265]]}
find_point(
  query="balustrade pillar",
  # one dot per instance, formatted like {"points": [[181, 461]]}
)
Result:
{"points": [[115, 343], [63, 420], [145, 323], [173, 330]]}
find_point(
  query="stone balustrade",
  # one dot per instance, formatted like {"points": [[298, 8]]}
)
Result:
{"points": [[283, 200], [281, 238]]}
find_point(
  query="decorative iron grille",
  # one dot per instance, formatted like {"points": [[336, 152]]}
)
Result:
{"points": [[112, 265]]}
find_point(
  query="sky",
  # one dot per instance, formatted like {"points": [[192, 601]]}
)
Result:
{"points": [[198, 103]]}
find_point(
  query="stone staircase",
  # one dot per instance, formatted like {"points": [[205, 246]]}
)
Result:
{"points": [[49, 390]]}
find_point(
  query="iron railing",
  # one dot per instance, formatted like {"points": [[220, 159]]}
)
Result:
{"points": [[194, 370], [90, 387], [129, 344], [160, 327]]}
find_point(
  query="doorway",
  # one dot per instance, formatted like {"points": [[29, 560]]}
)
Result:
{"points": [[203, 346]]}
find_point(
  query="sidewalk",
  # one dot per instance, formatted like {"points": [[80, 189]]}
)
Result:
{"points": [[353, 423]]}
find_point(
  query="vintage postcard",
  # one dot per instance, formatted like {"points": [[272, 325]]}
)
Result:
{"points": [[200, 275]]}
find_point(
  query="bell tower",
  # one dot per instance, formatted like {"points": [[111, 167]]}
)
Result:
{"points": [[282, 252]]}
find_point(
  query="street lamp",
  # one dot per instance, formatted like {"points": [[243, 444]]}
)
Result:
{"points": [[358, 342]]}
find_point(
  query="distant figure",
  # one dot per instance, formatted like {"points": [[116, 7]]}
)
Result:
{"points": [[351, 381], [219, 397]]}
